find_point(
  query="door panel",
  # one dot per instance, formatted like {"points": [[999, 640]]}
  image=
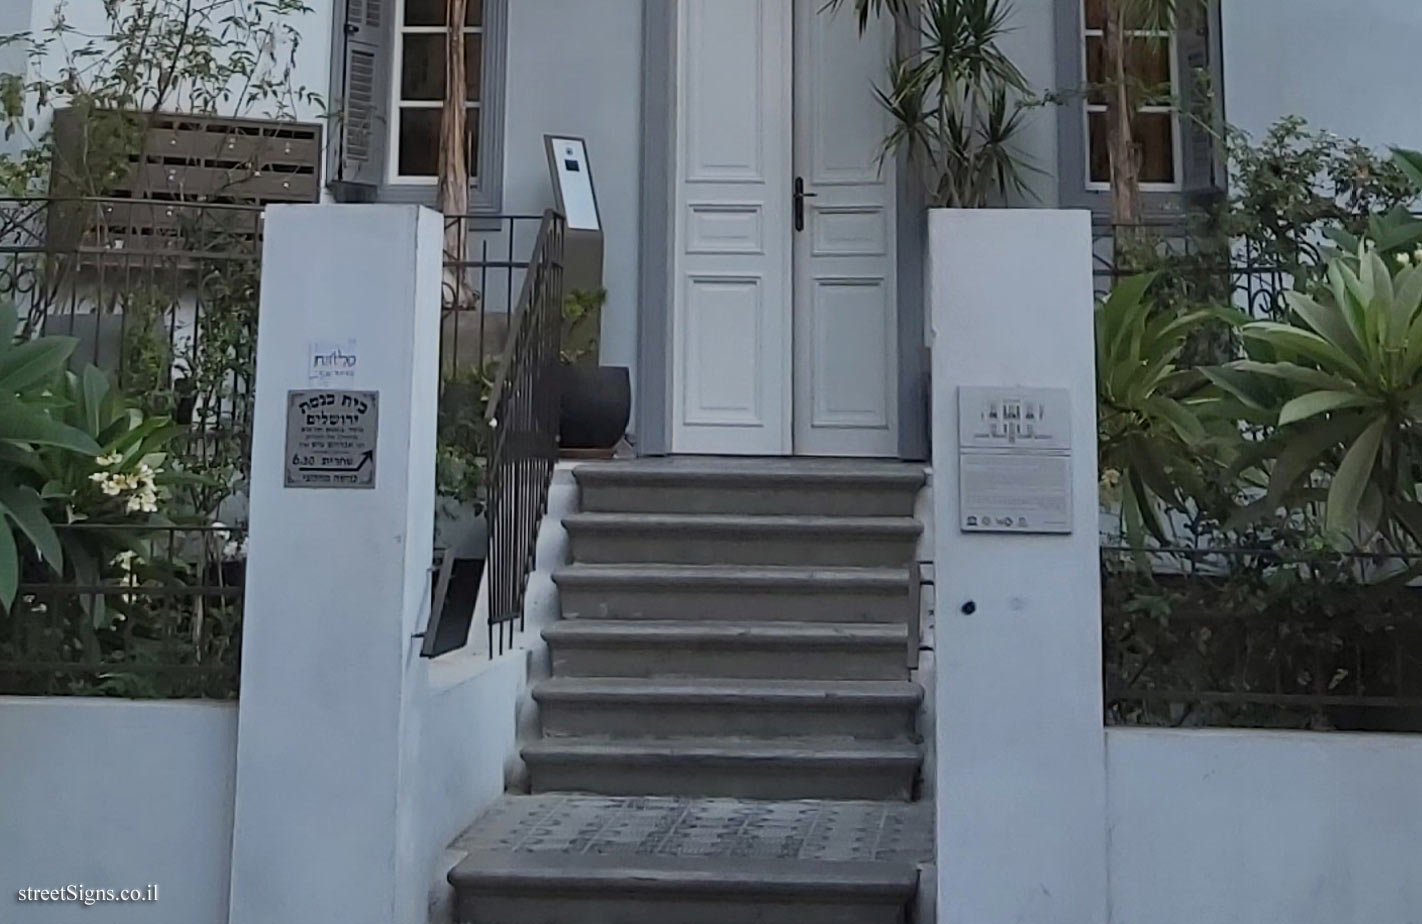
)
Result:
{"points": [[845, 297], [731, 325], [783, 340]]}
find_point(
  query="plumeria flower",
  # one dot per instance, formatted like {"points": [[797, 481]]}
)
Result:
{"points": [[113, 459], [1404, 259]]}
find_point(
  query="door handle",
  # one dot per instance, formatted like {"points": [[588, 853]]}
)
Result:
{"points": [[800, 197]]}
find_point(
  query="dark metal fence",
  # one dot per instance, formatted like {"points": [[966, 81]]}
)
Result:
{"points": [[499, 347], [162, 295], [1262, 638], [156, 612], [1202, 266]]}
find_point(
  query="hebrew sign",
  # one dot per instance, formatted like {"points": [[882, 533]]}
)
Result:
{"points": [[331, 437]]}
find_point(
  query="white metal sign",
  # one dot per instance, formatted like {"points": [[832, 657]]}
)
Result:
{"points": [[1014, 460], [571, 167], [331, 438]]}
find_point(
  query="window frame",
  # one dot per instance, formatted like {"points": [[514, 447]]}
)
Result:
{"points": [[384, 184], [1088, 108], [1072, 160], [397, 104]]}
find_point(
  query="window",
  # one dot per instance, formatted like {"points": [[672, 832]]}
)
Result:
{"points": [[1151, 60], [1179, 156], [418, 91], [390, 83]]}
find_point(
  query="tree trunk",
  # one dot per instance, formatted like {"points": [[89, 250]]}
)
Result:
{"points": [[1120, 113], [453, 198]]}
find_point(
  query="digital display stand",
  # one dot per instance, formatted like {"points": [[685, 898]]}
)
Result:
{"points": [[576, 197]]}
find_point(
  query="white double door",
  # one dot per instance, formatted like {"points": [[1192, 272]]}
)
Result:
{"points": [[784, 323]]}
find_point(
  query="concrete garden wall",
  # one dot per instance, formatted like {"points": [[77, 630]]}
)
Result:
{"points": [[115, 794], [1221, 827]]}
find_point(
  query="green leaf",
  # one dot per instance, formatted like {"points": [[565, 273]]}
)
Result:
{"points": [[1245, 387], [1185, 424], [21, 424], [25, 507], [1351, 479], [1307, 344], [1327, 323], [28, 364], [9, 325], [9, 567], [1302, 451], [1121, 307], [1320, 402], [95, 386], [1292, 372], [1410, 162]]}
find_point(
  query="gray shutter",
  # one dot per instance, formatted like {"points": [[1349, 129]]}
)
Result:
{"points": [[365, 122], [1203, 165]]}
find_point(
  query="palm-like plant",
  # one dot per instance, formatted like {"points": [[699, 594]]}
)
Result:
{"points": [[956, 99], [1345, 379], [1150, 435]]}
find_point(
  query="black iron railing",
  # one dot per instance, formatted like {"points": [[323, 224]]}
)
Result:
{"points": [[500, 328], [1201, 265], [1262, 638], [152, 612], [163, 295], [523, 420]]}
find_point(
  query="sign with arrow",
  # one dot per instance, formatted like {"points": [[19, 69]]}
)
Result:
{"points": [[331, 437]]}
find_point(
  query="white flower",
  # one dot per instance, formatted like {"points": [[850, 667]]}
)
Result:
{"points": [[108, 460], [125, 559], [1404, 259]]}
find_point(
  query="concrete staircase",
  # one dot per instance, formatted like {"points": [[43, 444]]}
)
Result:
{"points": [[733, 660]]}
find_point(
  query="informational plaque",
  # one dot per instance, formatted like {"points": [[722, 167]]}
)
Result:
{"points": [[330, 438], [1014, 460]]}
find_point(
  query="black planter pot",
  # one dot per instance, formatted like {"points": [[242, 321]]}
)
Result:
{"points": [[595, 407]]}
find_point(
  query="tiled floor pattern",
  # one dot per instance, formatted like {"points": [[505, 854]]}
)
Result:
{"points": [[684, 827]]}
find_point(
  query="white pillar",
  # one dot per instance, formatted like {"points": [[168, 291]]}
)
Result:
{"points": [[337, 577], [1021, 777]]}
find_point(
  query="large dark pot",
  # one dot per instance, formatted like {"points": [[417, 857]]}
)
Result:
{"points": [[596, 406]]}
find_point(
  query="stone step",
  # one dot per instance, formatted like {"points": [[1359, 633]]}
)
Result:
{"points": [[766, 650], [641, 708], [541, 888], [786, 594], [697, 539], [561, 858], [751, 486], [730, 767]]}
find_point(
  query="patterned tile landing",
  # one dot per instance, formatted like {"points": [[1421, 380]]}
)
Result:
{"points": [[705, 828]]}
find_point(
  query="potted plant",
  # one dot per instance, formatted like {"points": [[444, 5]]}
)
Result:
{"points": [[596, 402]]}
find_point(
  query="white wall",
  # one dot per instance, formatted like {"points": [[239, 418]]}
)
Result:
{"points": [[116, 794], [1032, 47], [1223, 827], [1346, 67], [576, 68], [1021, 771]]}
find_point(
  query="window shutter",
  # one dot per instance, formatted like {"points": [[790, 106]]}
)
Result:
{"points": [[1202, 120], [364, 119]]}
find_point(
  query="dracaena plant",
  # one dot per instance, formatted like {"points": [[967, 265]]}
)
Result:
{"points": [[1151, 437], [957, 101], [1343, 377]]}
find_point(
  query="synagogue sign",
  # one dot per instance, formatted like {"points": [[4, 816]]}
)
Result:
{"points": [[330, 438], [1014, 460]]}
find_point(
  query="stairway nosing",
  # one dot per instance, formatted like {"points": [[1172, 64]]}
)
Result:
{"points": [[709, 687]]}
